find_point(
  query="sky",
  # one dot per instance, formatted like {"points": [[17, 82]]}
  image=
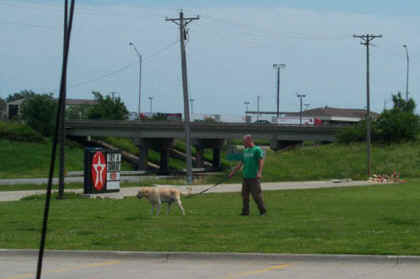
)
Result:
{"points": [[230, 52]]}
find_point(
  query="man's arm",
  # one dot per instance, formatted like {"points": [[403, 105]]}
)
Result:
{"points": [[260, 167], [235, 169]]}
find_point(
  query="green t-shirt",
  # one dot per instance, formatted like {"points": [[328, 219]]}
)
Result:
{"points": [[250, 159]]}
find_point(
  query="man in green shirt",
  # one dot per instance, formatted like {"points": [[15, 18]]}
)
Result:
{"points": [[252, 161]]}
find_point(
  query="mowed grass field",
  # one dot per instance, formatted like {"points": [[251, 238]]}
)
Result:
{"points": [[382, 219]]}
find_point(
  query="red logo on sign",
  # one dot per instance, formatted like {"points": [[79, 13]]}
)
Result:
{"points": [[98, 170]]}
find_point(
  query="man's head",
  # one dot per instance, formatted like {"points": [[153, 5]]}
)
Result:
{"points": [[247, 140]]}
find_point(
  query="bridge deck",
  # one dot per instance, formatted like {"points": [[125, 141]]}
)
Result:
{"points": [[199, 130]]}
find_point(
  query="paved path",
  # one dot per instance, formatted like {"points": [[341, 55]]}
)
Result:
{"points": [[104, 265], [132, 191]]}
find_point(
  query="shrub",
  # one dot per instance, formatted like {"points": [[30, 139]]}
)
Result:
{"points": [[399, 123], [395, 125], [108, 107], [39, 113]]}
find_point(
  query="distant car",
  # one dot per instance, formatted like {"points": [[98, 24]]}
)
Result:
{"points": [[262, 122]]}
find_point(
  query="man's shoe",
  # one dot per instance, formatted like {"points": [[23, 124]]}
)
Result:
{"points": [[263, 213]]}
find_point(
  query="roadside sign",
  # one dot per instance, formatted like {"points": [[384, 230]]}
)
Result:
{"points": [[102, 170]]}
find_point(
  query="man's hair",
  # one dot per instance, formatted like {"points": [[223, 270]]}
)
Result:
{"points": [[248, 136]]}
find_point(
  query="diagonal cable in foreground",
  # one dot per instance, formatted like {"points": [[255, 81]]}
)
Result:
{"points": [[67, 31]]}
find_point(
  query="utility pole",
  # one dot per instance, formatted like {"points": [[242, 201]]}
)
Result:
{"points": [[366, 39], [408, 71], [182, 22], [300, 96], [278, 67]]}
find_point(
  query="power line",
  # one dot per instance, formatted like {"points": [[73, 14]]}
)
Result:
{"points": [[246, 28], [102, 76], [121, 69]]}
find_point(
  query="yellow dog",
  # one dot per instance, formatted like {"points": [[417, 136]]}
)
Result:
{"points": [[159, 195]]}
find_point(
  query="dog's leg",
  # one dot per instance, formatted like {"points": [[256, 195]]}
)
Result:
{"points": [[158, 207], [178, 201], [153, 207]]}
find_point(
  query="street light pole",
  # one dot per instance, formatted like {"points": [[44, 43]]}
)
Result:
{"points": [[408, 71], [301, 96], [258, 107], [246, 103], [192, 105], [151, 104], [278, 67], [140, 62]]}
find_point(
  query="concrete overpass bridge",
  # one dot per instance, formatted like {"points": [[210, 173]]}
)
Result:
{"points": [[160, 135]]}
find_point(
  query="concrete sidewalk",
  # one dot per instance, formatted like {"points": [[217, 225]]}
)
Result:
{"points": [[211, 256], [223, 188], [161, 265]]}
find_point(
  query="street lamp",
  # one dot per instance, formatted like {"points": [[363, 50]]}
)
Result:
{"points": [[258, 107], [151, 104], [246, 103], [408, 70], [301, 96], [140, 61], [192, 105], [278, 67]]}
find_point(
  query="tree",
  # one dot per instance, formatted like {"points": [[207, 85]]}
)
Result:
{"points": [[77, 111], [399, 123], [39, 112], [395, 125], [20, 95], [108, 107], [2, 107]]}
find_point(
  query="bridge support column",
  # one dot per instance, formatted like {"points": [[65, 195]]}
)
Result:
{"points": [[216, 158], [199, 157], [143, 146], [215, 144], [164, 160], [161, 145]]}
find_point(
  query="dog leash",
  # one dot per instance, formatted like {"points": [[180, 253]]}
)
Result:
{"points": [[209, 188]]}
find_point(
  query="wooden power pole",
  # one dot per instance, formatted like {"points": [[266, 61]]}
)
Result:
{"points": [[182, 22], [366, 39]]}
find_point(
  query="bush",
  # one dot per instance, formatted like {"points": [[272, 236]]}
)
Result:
{"points": [[39, 113], [357, 133], [399, 123], [108, 107], [395, 125]]}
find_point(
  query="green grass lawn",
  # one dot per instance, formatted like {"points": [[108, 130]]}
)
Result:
{"points": [[361, 220]]}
